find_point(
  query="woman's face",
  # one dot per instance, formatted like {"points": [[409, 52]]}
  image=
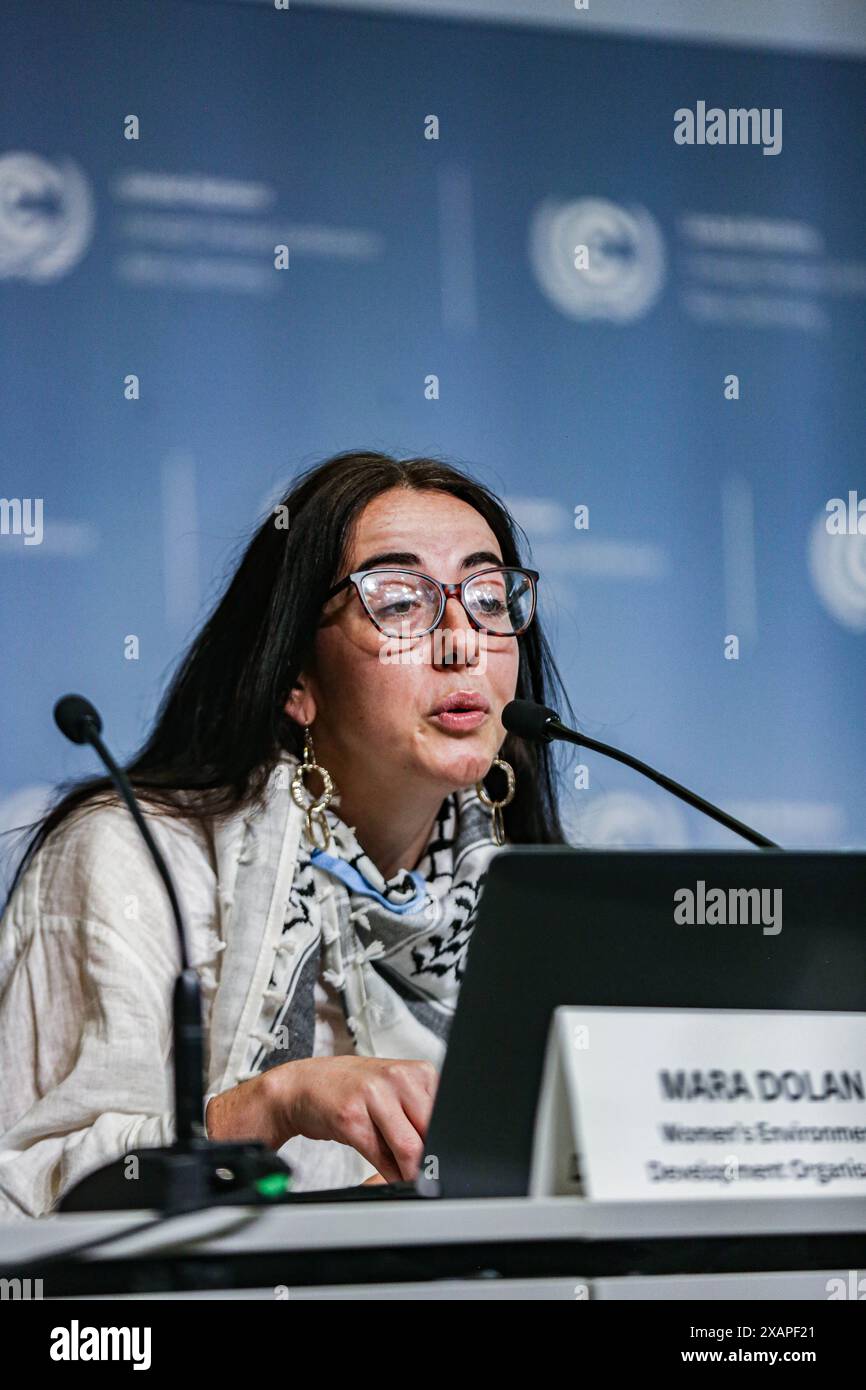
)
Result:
{"points": [[374, 716]]}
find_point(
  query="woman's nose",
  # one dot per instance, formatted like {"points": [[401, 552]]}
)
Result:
{"points": [[455, 641], [455, 615]]}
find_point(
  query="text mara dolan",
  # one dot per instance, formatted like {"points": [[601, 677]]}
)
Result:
{"points": [[763, 1085]]}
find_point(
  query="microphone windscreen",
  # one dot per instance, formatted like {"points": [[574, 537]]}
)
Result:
{"points": [[526, 719], [72, 714]]}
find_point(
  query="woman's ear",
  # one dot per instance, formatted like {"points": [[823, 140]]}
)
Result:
{"points": [[301, 704]]}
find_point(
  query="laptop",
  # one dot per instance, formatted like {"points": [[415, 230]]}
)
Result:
{"points": [[558, 925]]}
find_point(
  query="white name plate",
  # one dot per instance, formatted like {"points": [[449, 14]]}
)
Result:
{"points": [[643, 1104]]}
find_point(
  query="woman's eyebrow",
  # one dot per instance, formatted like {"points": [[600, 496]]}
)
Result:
{"points": [[408, 557]]}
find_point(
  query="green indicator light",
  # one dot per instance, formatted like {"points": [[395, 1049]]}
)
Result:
{"points": [[274, 1185]]}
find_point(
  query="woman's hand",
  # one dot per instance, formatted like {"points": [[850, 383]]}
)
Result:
{"points": [[379, 1105]]}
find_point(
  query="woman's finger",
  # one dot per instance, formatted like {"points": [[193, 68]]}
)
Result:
{"points": [[403, 1140]]}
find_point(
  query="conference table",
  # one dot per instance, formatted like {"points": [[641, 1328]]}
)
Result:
{"points": [[560, 1248]]}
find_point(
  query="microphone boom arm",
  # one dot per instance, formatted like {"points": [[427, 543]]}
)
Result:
{"points": [[194, 1171]]}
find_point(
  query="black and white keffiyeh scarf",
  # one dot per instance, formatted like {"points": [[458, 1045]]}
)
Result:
{"points": [[395, 949]]}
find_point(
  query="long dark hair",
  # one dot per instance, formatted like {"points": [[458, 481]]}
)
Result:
{"points": [[221, 725]]}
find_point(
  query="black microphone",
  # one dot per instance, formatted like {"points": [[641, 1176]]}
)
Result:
{"points": [[77, 718], [540, 724], [194, 1171]]}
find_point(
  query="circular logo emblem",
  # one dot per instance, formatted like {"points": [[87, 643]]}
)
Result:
{"points": [[838, 567], [46, 216], [627, 819], [596, 260]]}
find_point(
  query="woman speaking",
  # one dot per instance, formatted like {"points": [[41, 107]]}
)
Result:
{"points": [[328, 778]]}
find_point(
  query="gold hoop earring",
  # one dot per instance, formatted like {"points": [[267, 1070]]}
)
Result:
{"points": [[315, 811], [496, 806]]}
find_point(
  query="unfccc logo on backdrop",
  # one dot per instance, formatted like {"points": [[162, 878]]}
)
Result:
{"points": [[621, 273], [837, 562], [46, 216]]}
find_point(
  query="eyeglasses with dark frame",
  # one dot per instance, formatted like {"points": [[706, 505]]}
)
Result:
{"points": [[528, 592]]}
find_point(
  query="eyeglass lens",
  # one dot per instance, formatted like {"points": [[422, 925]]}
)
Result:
{"points": [[402, 602]]}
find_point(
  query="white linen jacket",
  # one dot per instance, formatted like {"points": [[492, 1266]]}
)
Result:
{"points": [[88, 959]]}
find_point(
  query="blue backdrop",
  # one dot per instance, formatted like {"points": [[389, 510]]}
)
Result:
{"points": [[410, 258]]}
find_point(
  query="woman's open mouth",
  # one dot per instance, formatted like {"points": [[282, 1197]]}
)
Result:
{"points": [[460, 711], [455, 720]]}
